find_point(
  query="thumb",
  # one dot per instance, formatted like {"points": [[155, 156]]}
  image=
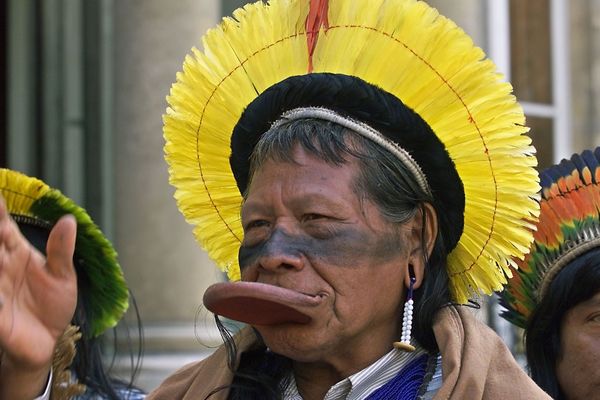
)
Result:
{"points": [[61, 246]]}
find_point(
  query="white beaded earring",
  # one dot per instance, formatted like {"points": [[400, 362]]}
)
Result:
{"points": [[404, 343]]}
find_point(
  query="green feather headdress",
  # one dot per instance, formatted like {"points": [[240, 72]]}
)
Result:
{"points": [[569, 225], [30, 201]]}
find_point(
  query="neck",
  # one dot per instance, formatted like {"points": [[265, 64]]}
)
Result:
{"points": [[314, 379]]}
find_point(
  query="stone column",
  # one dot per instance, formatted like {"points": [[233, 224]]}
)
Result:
{"points": [[595, 51], [585, 65], [166, 269]]}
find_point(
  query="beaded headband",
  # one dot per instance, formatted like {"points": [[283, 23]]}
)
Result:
{"points": [[363, 130]]}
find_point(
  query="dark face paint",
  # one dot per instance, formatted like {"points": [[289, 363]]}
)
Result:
{"points": [[343, 246], [339, 247]]}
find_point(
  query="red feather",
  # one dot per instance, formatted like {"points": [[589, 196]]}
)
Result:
{"points": [[316, 19]]}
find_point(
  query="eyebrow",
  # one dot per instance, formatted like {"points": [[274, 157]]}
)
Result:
{"points": [[316, 198], [251, 206], [592, 302], [297, 201]]}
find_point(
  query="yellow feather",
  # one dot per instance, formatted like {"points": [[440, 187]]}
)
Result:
{"points": [[402, 46], [20, 191]]}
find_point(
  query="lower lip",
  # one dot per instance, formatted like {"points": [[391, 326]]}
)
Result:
{"points": [[261, 304]]}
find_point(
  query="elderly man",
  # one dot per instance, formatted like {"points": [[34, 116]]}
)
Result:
{"points": [[363, 172]]}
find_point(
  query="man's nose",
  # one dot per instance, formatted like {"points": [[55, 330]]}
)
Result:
{"points": [[281, 253]]}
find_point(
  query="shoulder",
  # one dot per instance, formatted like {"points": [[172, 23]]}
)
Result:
{"points": [[199, 379], [460, 333], [182, 381], [122, 393], [475, 361], [461, 323]]}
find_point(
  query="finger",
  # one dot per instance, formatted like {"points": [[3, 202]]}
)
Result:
{"points": [[3, 212], [4, 218], [10, 235], [61, 246]]}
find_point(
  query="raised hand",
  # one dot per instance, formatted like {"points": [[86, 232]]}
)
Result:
{"points": [[38, 296]]}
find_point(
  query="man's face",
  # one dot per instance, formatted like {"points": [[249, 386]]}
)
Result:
{"points": [[578, 369], [307, 229]]}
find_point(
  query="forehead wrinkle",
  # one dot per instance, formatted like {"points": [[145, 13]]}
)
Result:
{"points": [[253, 207], [309, 199]]}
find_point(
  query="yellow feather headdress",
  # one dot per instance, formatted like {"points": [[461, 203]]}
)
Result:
{"points": [[403, 47]]}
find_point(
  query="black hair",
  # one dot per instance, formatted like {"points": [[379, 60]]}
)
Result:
{"points": [[91, 365], [577, 282], [260, 374]]}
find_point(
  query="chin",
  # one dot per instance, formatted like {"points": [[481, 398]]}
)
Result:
{"points": [[298, 344]]}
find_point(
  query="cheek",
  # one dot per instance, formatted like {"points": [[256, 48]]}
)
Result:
{"points": [[577, 345], [372, 283], [577, 370], [367, 268], [249, 274], [353, 248]]}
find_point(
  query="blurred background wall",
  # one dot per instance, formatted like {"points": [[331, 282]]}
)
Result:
{"points": [[82, 92]]}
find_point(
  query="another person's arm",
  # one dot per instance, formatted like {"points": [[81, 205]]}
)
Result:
{"points": [[37, 300]]}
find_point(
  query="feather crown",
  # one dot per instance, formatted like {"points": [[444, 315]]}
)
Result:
{"points": [[398, 48], [569, 226], [36, 207]]}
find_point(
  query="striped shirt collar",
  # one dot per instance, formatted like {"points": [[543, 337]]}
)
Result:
{"points": [[365, 381]]}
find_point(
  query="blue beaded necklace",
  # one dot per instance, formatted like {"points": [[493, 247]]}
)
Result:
{"points": [[405, 385]]}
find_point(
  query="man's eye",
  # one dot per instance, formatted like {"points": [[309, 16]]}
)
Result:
{"points": [[259, 223], [313, 217]]}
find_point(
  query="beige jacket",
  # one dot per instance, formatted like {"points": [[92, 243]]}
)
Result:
{"points": [[475, 365]]}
